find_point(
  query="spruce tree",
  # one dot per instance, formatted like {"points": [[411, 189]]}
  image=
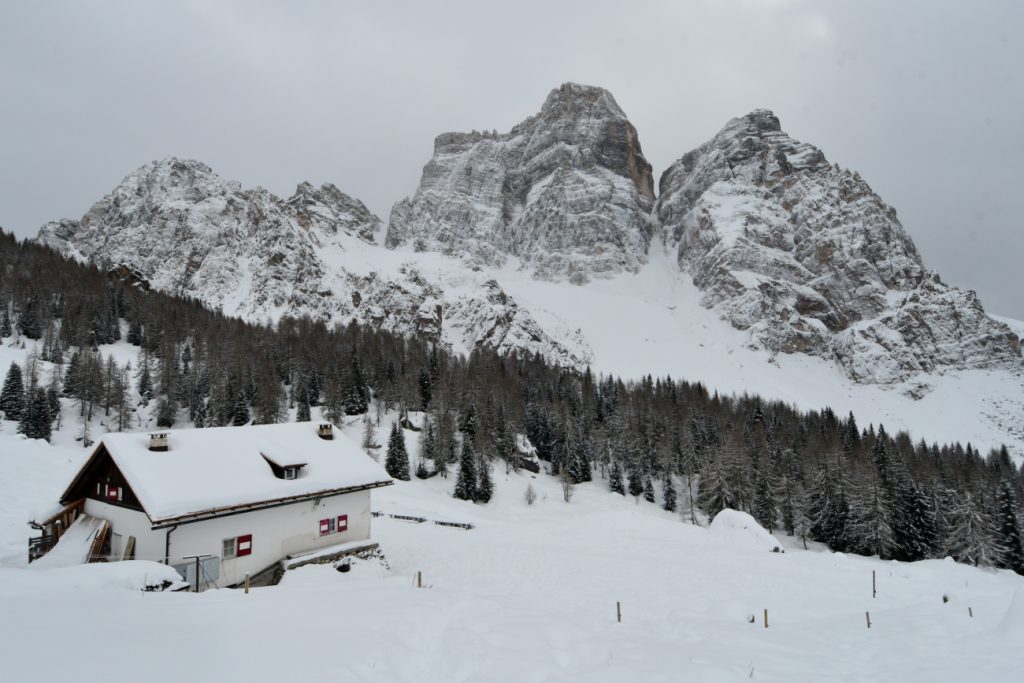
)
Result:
{"points": [[1008, 528], [615, 479], [5, 325], [714, 495], [356, 399], [240, 410], [12, 396], [29, 323], [35, 418], [397, 461], [971, 538], [145, 386], [426, 389], [485, 486], [669, 494], [635, 483], [648, 490], [302, 410], [465, 482]]}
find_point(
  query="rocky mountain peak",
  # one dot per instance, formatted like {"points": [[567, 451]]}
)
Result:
{"points": [[805, 257], [567, 192]]}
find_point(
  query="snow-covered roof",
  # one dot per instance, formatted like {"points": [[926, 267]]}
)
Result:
{"points": [[206, 471]]}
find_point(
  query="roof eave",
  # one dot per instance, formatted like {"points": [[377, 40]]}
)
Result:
{"points": [[239, 508]]}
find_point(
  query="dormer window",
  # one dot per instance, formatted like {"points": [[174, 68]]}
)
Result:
{"points": [[283, 469]]}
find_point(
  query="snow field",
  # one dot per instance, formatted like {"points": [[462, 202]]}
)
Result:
{"points": [[527, 595]]}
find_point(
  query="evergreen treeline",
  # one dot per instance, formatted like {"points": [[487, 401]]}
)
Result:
{"points": [[814, 475]]}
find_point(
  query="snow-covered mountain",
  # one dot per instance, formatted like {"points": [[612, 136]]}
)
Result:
{"points": [[252, 254], [759, 267], [807, 259], [567, 191]]}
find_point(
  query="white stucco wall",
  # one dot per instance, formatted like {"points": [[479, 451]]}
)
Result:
{"points": [[149, 542], [276, 532]]}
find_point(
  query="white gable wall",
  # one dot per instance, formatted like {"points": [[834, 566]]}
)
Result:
{"points": [[276, 532], [149, 542]]}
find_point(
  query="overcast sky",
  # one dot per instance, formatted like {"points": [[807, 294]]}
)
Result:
{"points": [[925, 99]]}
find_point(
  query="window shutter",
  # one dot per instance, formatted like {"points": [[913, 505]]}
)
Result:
{"points": [[325, 527], [342, 523], [244, 545]]}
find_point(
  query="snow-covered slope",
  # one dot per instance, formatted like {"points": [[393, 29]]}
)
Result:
{"points": [[568, 191], [251, 254], [807, 259], [530, 593], [768, 270]]}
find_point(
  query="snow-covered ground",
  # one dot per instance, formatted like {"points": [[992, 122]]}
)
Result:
{"points": [[529, 594], [652, 322]]}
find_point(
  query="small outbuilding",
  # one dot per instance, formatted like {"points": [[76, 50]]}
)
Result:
{"points": [[228, 501]]}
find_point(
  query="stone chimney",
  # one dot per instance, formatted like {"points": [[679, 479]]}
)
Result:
{"points": [[158, 441], [325, 431]]}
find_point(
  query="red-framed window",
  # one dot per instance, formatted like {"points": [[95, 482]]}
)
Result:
{"points": [[113, 492], [333, 525]]}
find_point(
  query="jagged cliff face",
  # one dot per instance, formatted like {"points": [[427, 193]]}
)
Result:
{"points": [[568, 192], [189, 232], [797, 253], [808, 259]]}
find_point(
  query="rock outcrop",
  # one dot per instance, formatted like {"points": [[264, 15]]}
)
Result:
{"points": [[568, 192], [807, 259], [179, 227]]}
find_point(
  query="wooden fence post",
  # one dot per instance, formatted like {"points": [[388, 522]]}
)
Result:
{"points": [[247, 583], [874, 590], [419, 579], [867, 618], [766, 617], [618, 611], [970, 612]]}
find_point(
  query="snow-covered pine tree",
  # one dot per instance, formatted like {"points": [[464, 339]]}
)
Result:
{"points": [[12, 396], [467, 423], [802, 522], [634, 482], [829, 511], [1008, 528], [302, 404], [648, 489], [29, 322], [764, 510], [465, 482], [35, 418], [615, 479], [871, 532], [669, 494], [356, 398], [971, 538], [240, 410], [485, 486], [145, 384], [5, 324], [397, 461], [426, 388], [714, 494]]}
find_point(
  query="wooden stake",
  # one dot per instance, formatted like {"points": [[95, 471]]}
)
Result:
{"points": [[247, 583], [867, 617], [874, 591], [618, 611], [419, 579], [766, 617], [970, 612]]}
